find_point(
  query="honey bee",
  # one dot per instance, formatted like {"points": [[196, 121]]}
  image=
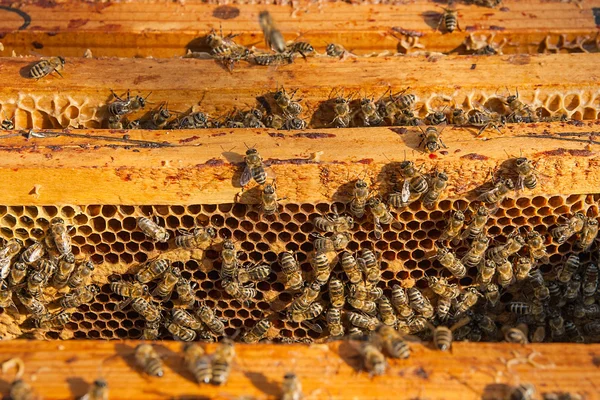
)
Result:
{"points": [[165, 286], [184, 318], [269, 200], [81, 275], [148, 360], [527, 174], [121, 107], [46, 67], [342, 111], [386, 311], [258, 331], [79, 296], [373, 359], [400, 302], [362, 321], [360, 196], [476, 252], [131, 125], [492, 294], [557, 326], [458, 117], [208, 317], [368, 264], [31, 254], [436, 186], [467, 300], [7, 124], [253, 119], [291, 387], [513, 244], [146, 309], [590, 284], [97, 391], [197, 362], [31, 304], [151, 330], [573, 332], [477, 224], [523, 391], [519, 308], [214, 40], [286, 102], [199, 238], [413, 187], [291, 271], [21, 390], [54, 321], [537, 248], [66, 266], [454, 226], [6, 300], [230, 55], [442, 288], [196, 120], [306, 298], [588, 234], [450, 262], [523, 267], [255, 168], [505, 273], [152, 270], [313, 311], [450, 20], [517, 106], [339, 241], [350, 267], [570, 267], [404, 101], [420, 303], [442, 308], [36, 282], [540, 290], [334, 322], [59, 235], [320, 263], [303, 48], [336, 293], [334, 222], [415, 325], [432, 138], [180, 332], [485, 119], [153, 230], [274, 59], [185, 291], [574, 225], [229, 260], [381, 215], [254, 273], [368, 113], [572, 288], [498, 193], [222, 360], [442, 335], [237, 291], [517, 334], [336, 50], [366, 306], [273, 37]]}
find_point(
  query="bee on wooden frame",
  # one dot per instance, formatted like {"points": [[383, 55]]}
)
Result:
{"points": [[449, 18], [431, 137], [46, 67]]}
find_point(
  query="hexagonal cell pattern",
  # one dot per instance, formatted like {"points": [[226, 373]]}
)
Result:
{"points": [[109, 236]]}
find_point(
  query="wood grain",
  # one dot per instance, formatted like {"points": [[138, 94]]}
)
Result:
{"points": [[331, 371], [204, 166], [166, 29]]}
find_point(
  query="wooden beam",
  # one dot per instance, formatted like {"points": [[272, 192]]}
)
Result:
{"points": [[204, 166], [80, 98], [470, 371], [166, 29]]}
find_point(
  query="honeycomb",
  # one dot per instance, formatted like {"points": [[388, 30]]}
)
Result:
{"points": [[108, 235], [58, 111]]}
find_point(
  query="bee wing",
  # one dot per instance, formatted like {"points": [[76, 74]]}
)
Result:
{"points": [[315, 327], [405, 196], [12, 310], [361, 264], [269, 171], [121, 305], [246, 176], [377, 228]]}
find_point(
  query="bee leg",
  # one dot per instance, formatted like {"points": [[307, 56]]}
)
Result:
{"points": [[58, 72], [483, 128], [442, 143], [303, 55], [437, 28], [422, 139]]}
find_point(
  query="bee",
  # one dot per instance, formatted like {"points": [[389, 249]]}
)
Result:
{"points": [[21, 390], [131, 125], [335, 50], [366, 306], [517, 106], [255, 168], [148, 360], [505, 273], [152, 270], [454, 226], [31, 304], [486, 324], [221, 362], [97, 391], [437, 117], [336, 293], [6, 300], [416, 324], [386, 311], [340, 240], [517, 334], [364, 292], [274, 121], [527, 174], [184, 318], [293, 123], [286, 102], [486, 119], [573, 332], [413, 187], [360, 196], [334, 222], [291, 270], [477, 224], [400, 302], [10, 249], [524, 391], [408, 118], [258, 331], [492, 294], [334, 322], [368, 264], [450, 20], [442, 288], [362, 321], [31, 254], [59, 235], [442, 335], [230, 55], [442, 308], [185, 291], [498, 193], [208, 317], [274, 59], [540, 290], [46, 67], [196, 120], [153, 230], [519, 308], [301, 47], [82, 295], [570, 267], [572, 288], [320, 263], [180, 332], [214, 40], [165, 286], [36, 282], [392, 342], [420, 303], [373, 359], [291, 387], [592, 328], [589, 232], [237, 291], [115, 122], [54, 321], [273, 37], [66, 266], [458, 117], [513, 244], [404, 101], [313, 311], [467, 300], [121, 107], [557, 326], [151, 330], [381, 215], [590, 283], [476, 252], [269, 200], [350, 267], [253, 273], [306, 298], [229, 260], [197, 362], [81, 275], [368, 112], [146, 309], [17, 274], [200, 237], [7, 124], [523, 267], [537, 248], [450, 262], [436, 186], [574, 225], [253, 119], [341, 109]]}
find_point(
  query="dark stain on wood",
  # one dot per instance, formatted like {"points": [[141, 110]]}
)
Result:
{"points": [[497, 28], [314, 135], [563, 152], [474, 156], [77, 23], [519, 59], [22, 14], [421, 373], [473, 66], [399, 131], [37, 45], [276, 135], [226, 12], [190, 139], [145, 78], [219, 134], [213, 162], [596, 14]]}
